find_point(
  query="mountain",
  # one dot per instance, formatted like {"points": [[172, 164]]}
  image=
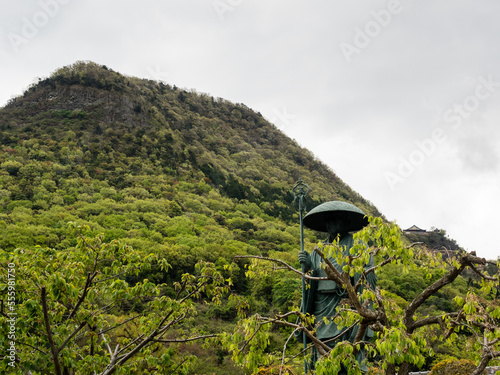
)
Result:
{"points": [[153, 164], [178, 173]]}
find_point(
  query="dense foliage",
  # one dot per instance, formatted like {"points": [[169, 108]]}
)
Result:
{"points": [[76, 314], [436, 239], [180, 177], [406, 330], [176, 172]]}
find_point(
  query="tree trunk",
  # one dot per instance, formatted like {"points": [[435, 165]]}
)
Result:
{"points": [[391, 369], [482, 365], [48, 330], [404, 369]]}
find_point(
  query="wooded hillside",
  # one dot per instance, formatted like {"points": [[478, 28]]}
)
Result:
{"points": [[151, 163], [179, 176]]}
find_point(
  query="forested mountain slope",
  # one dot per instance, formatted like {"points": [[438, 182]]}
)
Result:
{"points": [[185, 177], [168, 170]]}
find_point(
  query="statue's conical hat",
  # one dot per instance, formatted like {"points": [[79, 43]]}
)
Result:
{"points": [[315, 219]]}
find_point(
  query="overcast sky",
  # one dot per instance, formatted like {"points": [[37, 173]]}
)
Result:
{"points": [[400, 98]]}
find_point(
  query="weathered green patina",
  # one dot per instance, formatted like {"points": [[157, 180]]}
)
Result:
{"points": [[317, 218], [321, 299]]}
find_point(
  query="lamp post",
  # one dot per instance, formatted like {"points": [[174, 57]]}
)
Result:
{"points": [[300, 191]]}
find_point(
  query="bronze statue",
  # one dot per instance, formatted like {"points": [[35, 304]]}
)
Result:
{"points": [[339, 220]]}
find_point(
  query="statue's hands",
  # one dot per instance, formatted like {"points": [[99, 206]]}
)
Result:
{"points": [[305, 260]]}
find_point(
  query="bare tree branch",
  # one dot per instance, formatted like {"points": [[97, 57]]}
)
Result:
{"points": [[448, 278], [106, 342], [88, 282], [284, 349], [431, 320], [119, 324], [53, 349], [113, 365], [68, 339], [322, 348], [179, 365], [166, 341], [131, 343], [481, 274], [31, 346], [309, 277]]}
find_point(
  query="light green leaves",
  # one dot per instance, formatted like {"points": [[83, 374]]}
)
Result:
{"points": [[91, 305]]}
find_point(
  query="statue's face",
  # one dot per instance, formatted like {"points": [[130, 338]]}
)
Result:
{"points": [[336, 224]]}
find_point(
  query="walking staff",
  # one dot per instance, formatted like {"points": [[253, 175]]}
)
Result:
{"points": [[300, 191]]}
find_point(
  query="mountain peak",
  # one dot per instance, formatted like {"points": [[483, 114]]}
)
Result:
{"points": [[116, 123], [87, 73]]}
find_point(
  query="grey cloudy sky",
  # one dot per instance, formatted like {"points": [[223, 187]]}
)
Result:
{"points": [[400, 98]]}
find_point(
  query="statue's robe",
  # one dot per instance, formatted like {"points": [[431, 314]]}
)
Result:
{"points": [[322, 298]]}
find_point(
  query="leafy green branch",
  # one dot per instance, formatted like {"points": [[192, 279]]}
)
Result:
{"points": [[74, 301], [402, 334]]}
